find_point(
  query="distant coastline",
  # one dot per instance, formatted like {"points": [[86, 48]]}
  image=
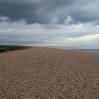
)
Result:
{"points": [[7, 48]]}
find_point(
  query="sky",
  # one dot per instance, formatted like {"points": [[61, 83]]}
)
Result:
{"points": [[50, 23]]}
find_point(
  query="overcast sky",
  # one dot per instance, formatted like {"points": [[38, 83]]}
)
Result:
{"points": [[50, 23]]}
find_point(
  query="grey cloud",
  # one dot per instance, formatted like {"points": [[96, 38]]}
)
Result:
{"points": [[1, 20], [84, 16], [45, 11], [20, 40]]}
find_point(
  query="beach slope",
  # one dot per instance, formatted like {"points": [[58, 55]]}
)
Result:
{"points": [[49, 73]]}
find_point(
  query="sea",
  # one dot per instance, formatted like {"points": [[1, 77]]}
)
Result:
{"points": [[95, 51]]}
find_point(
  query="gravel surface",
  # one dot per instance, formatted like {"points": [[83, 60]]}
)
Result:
{"points": [[49, 73]]}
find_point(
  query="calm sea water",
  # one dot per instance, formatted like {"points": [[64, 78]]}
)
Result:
{"points": [[96, 51]]}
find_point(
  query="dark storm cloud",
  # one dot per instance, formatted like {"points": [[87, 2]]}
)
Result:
{"points": [[45, 11]]}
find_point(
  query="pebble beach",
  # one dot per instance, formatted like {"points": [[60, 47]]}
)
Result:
{"points": [[49, 73]]}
